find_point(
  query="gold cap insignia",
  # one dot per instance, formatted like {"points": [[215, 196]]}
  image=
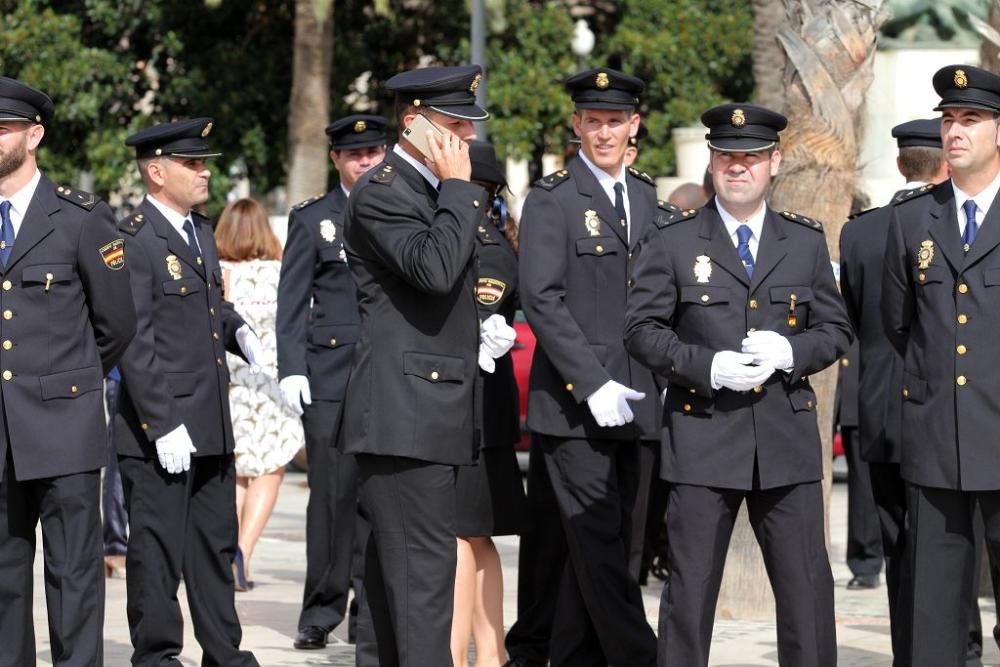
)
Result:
{"points": [[208, 128], [592, 222], [925, 254], [475, 83], [738, 118], [602, 81], [360, 126], [327, 231], [961, 80], [702, 268]]}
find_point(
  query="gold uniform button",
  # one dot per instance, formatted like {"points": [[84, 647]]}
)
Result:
{"points": [[145, 427], [475, 203], [211, 311], [198, 259], [963, 288], [7, 285], [962, 319], [218, 360], [753, 304], [569, 387], [693, 390], [333, 341], [921, 277], [435, 375], [845, 362], [74, 389], [705, 298], [809, 404], [906, 393], [687, 407], [961, 349], [758, 389], [7, 314], [184, 290], [7, 375], [215, 335], [599, 249], [960, 380], [7, 345]]}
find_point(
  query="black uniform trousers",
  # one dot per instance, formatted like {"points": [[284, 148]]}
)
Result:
{"points": [[331, 516], [788, 524], [599, 619], [69, 508], [410, 559], [182, 523], [889, 493], [115, 517], [864, 537], [648, 471], [541, 559], [942, 551]]}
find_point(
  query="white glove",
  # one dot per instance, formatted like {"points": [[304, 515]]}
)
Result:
{"points": [[295, 391], [732, 370], [174, 450], [496, 336], [769, 348], [251, 347], [486, 362], [609, 404]]}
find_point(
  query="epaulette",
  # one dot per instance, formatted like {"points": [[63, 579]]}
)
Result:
{"points": [[668, 214], [642, 176], [78, 197], [384, 175], [907, 195], [861, 213], [133, 223], [803, 220], [552, 180], [312, 200]]}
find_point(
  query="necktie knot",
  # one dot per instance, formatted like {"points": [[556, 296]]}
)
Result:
{"points": [[743, 234], [971, 227]]}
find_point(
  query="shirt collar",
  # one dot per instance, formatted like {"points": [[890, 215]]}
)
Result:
{"points": [[22, 198], [983, 200], [175, 219], [418, 165], [755, 222], [347, 193], [606, 180]]}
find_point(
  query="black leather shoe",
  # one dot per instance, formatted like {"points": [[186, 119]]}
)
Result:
{"points": [[311, 637], [863, 581]]}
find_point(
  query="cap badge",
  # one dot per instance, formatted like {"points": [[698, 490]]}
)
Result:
{"points": [[592, 222], [360, 126], [475, 83], [738, 118], [327, 231], [702, 268], [925, 254], [602, 81], [961, 80], [173, 267], [208, 128]]}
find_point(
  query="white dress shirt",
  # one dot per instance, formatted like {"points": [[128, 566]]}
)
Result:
{"points": [[175, 219], [21, 200], [419, 166], [755, 222], [983, 201], [607, 183]]}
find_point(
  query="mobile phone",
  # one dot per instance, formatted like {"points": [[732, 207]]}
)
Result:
{"points": [[416, 134]]}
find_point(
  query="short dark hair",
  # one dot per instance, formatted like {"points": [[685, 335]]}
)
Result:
{"points": [[920, 163]]}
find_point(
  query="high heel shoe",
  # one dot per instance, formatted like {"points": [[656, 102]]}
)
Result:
{"points": [[114, 567], [240, 581]]}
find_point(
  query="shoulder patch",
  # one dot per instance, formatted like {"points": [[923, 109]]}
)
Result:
{"points": [[642, 176], [79, 197], [803, 220], [312, 200], [668, 214], [552, 180], [906, 195], [385, 175], [133, 223]]}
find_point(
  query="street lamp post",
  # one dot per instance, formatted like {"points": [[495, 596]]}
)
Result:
{"points": [[477, 43], [583, 42]]}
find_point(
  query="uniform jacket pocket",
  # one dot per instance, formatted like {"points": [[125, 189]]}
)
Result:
{"points": [[705, 295], [434, 367], [788, 293], [335, 335], [182, 287], [914, 389], [937, 274], [48, 274], [182, 384], [598, 246], [70, 384]]}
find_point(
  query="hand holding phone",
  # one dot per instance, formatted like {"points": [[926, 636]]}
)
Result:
{"points": [[447, 154]]}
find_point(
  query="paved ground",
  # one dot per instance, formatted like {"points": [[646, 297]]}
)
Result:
{"points": [[270, 611]]}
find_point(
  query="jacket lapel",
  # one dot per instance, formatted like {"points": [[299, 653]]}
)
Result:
{"points": [[771, 249], [413, 178], [587, 185], [641, 204], [988, 236], [176, 244], [943, 228], [36, 224], [720, 247]]}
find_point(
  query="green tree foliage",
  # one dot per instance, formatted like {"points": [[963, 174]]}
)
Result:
{"points": [[692, 54]]}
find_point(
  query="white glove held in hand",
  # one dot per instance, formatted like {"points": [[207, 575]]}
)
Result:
{"points": [[609, 404], [769, 348], [732, 370], [251, 347], [295, 391], [174, 450], [496, 336]]}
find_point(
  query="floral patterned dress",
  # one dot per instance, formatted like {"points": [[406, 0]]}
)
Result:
{"points": [[267, 434]]}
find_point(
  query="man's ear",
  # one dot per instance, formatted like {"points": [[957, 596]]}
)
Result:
{"points": [[775, 162], [35, 134]]}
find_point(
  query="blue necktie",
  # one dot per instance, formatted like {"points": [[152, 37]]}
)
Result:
{"points": [[6, 232], [192, 241], [743, 234], [969, 235]]}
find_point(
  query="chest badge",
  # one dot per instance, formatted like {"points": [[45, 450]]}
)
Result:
{"points": [[702, 268], [925, 254], [174, 267], [592, 222], [327, 231]]}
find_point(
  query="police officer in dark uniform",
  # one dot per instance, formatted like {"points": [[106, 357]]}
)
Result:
{"points": [[409, 413], [736, 305], [578, 229], [67, 317], [173, 429], [317, 327], [939, 308]]}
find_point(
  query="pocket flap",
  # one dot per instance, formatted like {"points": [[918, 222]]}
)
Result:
{"points": [[914, 389], [706, 295], [802, 399], [182, 287], [683, 400], [70, 384], [182, 384], [597, 245], [335, 335], [784, 294], [52, 273], [331, 254], [937, 274], [991, 277], [434, 367]]}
